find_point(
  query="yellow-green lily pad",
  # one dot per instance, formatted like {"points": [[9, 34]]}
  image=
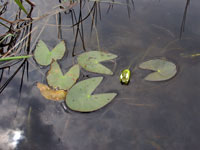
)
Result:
{"points": [[56, 79], [163, 69], [90, 61], [44, 57], [79, 97]]}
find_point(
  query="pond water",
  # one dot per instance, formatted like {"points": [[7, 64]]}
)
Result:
{"points": [[144, 115]]}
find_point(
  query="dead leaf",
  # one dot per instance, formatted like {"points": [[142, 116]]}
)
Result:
{"points": [[51, 94]]}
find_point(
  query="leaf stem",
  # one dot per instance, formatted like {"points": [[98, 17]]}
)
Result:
{"points": [[15, 57]]}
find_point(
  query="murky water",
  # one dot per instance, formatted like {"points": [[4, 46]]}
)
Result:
{"points": [[144, 115]]}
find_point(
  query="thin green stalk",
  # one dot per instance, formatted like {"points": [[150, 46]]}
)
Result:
{"points": [[15, 58]]}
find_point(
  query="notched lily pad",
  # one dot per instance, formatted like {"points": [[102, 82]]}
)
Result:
{"points": [[79, 97], [164, 70], [90, 61], [56, 79], [51, 94], [44, 57]]}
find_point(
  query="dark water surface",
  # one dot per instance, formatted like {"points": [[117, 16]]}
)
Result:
{"points": [[144, 115]]}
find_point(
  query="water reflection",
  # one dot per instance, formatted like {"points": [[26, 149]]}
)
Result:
{"points": [[10, 138], [93, 14], [184, 18]]}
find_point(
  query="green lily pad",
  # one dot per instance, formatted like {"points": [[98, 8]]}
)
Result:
{"points": [[56, 79], [90, 61], [44, 57], [79, 97], [164, 70]]}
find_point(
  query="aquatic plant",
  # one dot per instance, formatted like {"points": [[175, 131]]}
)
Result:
{"points": [[90, 61], [19, 3], [79, 96], [61, 85], [57, 80], [50, 93], [15, 57], [44, 57], [125, 76], [163, 69]]}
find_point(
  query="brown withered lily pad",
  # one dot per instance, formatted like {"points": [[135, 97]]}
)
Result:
{"points": [[51, 94]]}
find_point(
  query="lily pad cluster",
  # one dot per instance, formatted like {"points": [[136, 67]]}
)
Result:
{"points": [[78, 96]]}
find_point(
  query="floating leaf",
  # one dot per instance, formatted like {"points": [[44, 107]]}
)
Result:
{"points": [[164, 70], [56, 79], [79, 97], [58, 51], [44, 57], [90, 61], [51, 94]]}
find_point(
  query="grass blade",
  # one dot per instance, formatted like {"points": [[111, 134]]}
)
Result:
{"points": [[15, 58], [18, 2], [6, 36]]}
